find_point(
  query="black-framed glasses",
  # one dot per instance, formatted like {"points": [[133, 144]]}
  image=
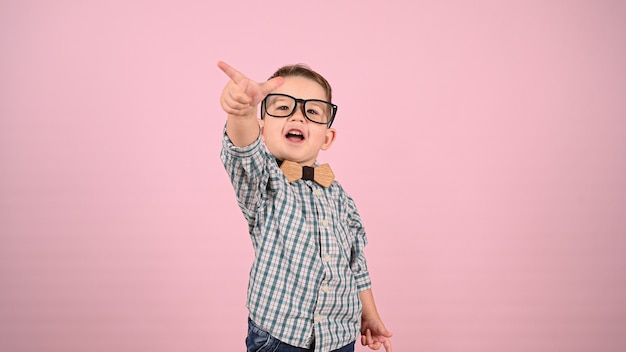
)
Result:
{"points": [[315, 110]]}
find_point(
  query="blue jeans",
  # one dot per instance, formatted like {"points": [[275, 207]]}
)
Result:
{"points": [[259, 340]]}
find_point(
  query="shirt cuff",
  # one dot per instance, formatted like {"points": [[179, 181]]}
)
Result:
{"points": [[363, 281]]}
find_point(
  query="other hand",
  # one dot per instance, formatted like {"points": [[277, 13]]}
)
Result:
{"points": [[374, 335]]}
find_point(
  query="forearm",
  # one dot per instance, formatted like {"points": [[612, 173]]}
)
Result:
{"points": [[242, 130], [369, 306]]}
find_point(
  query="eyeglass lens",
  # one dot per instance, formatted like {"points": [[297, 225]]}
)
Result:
{"points": [[278, 105]]}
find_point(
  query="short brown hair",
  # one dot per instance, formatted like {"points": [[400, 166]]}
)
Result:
{"points": [[302, 70]]}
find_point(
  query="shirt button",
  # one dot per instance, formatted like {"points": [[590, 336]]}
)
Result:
{"points": [[325, 223], [318, 192], [327, 258], [325, 288], [318, 318]]}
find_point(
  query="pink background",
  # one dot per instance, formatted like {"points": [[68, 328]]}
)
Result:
{"points": [[484, 143]]}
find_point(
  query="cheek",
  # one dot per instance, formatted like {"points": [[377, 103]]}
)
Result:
{"points": [[319, 137], [271, 132]]}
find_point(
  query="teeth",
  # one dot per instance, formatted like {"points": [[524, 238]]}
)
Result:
{"points": [[295, 133]]}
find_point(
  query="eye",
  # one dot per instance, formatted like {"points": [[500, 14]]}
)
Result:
{"points": [[314, 108], [313, 112], [279, 106]]}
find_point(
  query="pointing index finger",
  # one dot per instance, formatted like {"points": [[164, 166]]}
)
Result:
{"points": [[230, 71]]}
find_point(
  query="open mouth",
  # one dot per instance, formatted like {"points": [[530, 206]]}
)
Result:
{"points": [[294, 136]]}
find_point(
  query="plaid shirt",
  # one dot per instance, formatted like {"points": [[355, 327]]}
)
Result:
{"points": [[308, 240]]}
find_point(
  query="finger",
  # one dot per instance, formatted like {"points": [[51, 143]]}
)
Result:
{"points": [[368, 335], [232, 101], [363, 340], [272, 84], [234, 98], [243, 84], [387, 345], [235, 110], [230, 71], [234, 105], [238, 92]]}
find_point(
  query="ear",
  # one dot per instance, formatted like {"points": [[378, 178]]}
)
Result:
{"points": [[261, 125], [329, 138]]}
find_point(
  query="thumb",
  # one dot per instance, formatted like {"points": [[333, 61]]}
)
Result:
{"points": [[272, 84], [243, 84]]}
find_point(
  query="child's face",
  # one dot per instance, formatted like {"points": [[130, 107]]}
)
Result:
{"points": [[295, 138]]}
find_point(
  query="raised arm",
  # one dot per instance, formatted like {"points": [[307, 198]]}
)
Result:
{"points": [[240, 99]]}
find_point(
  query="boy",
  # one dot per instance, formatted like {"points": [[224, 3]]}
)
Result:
{"points": [[309, 287]]}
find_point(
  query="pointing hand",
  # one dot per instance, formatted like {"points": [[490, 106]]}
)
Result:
{"points": [[241, 95]]}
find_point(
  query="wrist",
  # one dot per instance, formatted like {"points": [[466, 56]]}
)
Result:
{"points": [[246, 114], [369, 315]]}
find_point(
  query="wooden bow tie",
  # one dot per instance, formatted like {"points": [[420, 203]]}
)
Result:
{"points": [[321, 174]]}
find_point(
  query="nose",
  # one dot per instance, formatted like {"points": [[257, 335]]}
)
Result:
{"points": [[298, 114]]}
